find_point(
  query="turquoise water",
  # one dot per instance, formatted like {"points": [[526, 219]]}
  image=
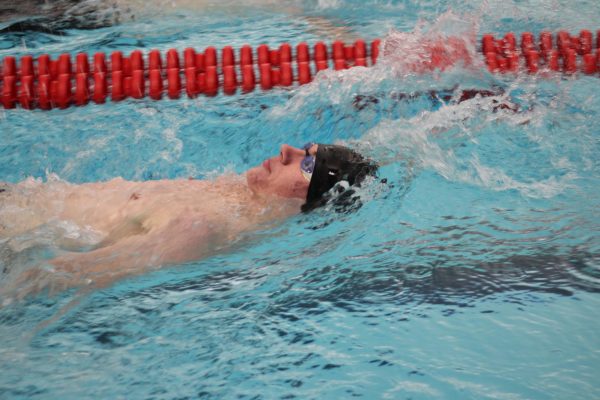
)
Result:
{"points": [[473, 274]]}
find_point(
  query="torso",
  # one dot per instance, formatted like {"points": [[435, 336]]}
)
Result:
{"points": [[136, 207]]}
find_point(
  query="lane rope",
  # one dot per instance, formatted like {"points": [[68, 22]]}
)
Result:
{"points": [[45, 83]]}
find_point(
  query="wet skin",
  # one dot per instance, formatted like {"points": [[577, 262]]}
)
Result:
{"points": [[144, 225], [281, 175]]}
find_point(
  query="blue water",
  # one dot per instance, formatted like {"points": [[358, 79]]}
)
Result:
{"points": [[473, 273]]}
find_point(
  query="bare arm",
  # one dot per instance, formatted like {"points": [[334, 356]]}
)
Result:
{"points": [[183, 239]]}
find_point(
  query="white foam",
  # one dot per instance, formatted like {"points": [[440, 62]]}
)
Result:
{"points": [[174, 145], [427, 142], [56, 233]]}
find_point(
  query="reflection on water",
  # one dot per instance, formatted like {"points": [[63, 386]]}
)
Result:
{"points": [[57, 16]]}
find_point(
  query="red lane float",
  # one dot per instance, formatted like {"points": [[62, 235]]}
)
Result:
{"points": [[46, 83], [569, 55]]}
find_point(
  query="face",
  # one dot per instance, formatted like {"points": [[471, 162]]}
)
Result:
{"points": [[281, 175]]}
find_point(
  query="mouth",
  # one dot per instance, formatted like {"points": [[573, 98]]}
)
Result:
{"points": [[267, 165]]}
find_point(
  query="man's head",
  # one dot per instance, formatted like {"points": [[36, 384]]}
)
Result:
{"points": [[309, 173]]}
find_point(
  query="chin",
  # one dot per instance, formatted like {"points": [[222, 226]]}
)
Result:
{"points": [[253, 179], [250, 177]]}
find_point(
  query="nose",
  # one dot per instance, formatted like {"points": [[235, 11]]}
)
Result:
{"points": [[288, 153]]}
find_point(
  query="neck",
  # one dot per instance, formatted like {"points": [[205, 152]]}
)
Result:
{"points": [[258, 207]]}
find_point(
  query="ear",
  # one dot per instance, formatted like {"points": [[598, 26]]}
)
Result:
{"points": [[300, 189]]}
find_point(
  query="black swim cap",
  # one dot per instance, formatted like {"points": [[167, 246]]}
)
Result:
{"points": [[334, 163]]}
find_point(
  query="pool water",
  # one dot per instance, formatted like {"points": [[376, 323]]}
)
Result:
{"points": [[473, 273]]}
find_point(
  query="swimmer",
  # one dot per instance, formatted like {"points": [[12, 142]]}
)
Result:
{"points": [[146, 225], [56, 17]]}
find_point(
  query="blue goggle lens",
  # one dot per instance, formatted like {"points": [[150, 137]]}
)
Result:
{"points": [[307, 166]]}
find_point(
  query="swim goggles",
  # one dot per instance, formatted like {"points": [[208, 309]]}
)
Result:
{"points": [[307, 166]]}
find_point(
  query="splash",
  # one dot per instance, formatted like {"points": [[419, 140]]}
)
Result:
{"points": [[450, 41], [432, 140], [434, 55], [430, 105]]}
